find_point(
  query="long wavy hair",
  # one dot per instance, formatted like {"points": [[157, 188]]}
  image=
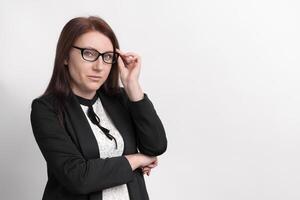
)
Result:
{"points": [[59, 85]]}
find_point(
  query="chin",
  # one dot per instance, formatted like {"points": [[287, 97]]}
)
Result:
{"points": [[94, 87]]}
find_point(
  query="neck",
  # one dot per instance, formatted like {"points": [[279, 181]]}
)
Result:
{"points": [[86, 95]]}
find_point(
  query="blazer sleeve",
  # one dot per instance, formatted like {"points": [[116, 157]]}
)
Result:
{"points": [[64, 160], [151, 136]]}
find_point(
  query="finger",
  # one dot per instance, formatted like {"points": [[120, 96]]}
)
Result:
{"points": [[154, 162], [125, 55], [129, 55], [152, 165], [149, 167], [122, 55], [130, 59], [154, 159], [134, 58], [146, 168], [121, 64], [146, 171], [120, 52], [127, 60]]}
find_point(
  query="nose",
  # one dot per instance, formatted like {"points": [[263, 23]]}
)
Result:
{"points": [[98, 64]]}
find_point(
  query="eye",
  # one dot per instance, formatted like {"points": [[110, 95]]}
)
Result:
{"points": [[108, 56], [89, 53]]}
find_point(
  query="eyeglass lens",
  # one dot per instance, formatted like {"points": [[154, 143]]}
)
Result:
{"points": [[92, 55]]}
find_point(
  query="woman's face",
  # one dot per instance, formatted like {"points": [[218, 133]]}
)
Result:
{"points": [[81, 70]]}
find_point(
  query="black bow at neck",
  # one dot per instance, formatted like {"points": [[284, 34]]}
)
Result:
{"points": [[93, 116]]}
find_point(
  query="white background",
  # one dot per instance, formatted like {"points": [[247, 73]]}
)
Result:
{"points": [[222, 75]]}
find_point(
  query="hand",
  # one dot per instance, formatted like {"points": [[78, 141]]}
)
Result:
{"points": [[147, 169], [129, 67], [140, 160], [147, 161]]}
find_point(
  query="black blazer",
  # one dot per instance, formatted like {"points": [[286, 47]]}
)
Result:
{"points": [[75, 169]]}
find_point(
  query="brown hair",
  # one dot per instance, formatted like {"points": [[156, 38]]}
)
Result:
{"points": [[59, 85]]}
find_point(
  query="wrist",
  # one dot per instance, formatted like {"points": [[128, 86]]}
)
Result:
{"points": [[133, 161], [134, 91]]}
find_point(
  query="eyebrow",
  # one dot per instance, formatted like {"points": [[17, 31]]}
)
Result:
{"points": [[89, 47]]}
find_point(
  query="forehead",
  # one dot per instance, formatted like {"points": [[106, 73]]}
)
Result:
{"points": [[95, 40]]}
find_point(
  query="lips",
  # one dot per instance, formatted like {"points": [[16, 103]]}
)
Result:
{"points": [[94, 78]]}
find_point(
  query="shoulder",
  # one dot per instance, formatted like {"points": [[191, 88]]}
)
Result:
{"points": [[45, 101]]}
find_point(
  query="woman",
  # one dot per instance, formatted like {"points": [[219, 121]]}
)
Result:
{"points": [[97, 138]]}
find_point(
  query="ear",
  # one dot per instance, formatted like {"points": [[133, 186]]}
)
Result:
{"points": [[65, 62]]}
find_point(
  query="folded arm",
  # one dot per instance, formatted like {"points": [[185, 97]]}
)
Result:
{"points": [[151, 136]]}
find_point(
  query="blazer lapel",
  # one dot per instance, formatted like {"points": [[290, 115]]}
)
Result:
{"points": [[82, 129]]}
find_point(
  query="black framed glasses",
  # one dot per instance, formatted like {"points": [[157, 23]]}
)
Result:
{"points": [[91, 55]]}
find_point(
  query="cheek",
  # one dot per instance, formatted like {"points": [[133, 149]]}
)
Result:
{"points": [[76, 72], [76, 69]]}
